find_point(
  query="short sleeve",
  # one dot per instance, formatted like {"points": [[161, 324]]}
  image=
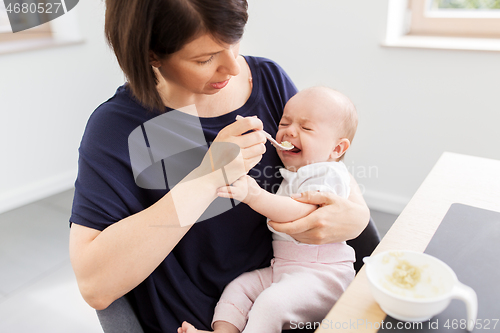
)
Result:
{"points": [[325, 177], [105, 190], [273, 89], [276, 82]]}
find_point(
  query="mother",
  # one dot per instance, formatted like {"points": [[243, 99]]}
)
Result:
{"points": [[127, 240]]}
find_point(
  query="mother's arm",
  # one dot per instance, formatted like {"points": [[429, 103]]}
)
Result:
{"points": [[336, 220], [110, 263]]}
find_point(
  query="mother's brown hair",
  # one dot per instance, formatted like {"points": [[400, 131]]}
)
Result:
{"points": [[133, 28]]}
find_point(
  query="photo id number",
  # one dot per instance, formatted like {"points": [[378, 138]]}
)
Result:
{"points": [[484, 324], [32, 8]]}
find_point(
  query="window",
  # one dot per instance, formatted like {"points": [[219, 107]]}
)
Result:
{"points": [[61, 31], [6, 35], [445, 24], [459, 18]]}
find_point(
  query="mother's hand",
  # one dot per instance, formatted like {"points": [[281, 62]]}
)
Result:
{"points": [[238, 148], [336, 220], [247, 134]]}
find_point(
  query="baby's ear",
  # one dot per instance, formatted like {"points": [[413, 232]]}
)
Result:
{"points": [[340, 148]]}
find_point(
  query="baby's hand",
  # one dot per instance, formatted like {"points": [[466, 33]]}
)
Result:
{"points": [[245, 189]]}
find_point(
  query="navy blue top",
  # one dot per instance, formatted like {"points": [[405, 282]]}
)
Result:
{"points": [[189, 282]]}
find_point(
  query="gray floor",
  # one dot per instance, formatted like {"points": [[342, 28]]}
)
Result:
{"points": [[383, 221], [38, 291]]}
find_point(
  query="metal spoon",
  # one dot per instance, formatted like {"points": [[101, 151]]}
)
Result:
{"points": [[271, 139]]}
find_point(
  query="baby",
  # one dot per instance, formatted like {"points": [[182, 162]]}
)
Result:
{"points": [[304, 281]]}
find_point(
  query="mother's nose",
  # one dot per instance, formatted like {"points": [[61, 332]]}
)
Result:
{"points": [[229, 64]]}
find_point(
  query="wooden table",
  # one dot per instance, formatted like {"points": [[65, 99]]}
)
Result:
{"points": [[455, 178]]}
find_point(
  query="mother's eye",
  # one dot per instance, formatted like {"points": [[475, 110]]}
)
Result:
{"points": [[206, 61]]}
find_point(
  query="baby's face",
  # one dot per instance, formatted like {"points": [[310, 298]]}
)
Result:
{"points": [[309, 124]]}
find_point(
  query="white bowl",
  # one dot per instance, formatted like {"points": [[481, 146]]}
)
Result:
{"points": [[428, 295]]}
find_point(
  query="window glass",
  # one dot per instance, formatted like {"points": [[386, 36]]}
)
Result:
{"points": [[466, 4]]}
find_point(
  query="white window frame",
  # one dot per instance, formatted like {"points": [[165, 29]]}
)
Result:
{"points": [[399, 31], [4, 19]]}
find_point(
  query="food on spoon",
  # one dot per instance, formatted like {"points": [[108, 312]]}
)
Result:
{"points": [[286, 144]]}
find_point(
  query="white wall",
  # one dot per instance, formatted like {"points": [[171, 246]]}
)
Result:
{"points": [[413, 104], [46, 97]]}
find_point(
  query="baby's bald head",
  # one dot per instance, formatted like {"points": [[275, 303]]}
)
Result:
{"points": [[340, 109]]}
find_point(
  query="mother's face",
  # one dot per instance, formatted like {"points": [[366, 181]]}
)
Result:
{"points": [[202, 66]]}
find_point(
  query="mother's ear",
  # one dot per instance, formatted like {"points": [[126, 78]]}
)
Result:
{"points": [[340, 148], [154, 60]]}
